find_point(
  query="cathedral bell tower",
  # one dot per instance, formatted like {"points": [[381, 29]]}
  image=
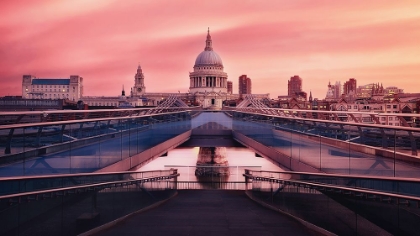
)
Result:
{"points": [[139, 88]]}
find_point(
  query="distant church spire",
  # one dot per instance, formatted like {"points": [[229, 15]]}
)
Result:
{"points": [[139, 88], [208, 41]]}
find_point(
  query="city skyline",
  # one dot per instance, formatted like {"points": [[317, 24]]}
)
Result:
{"points": [[104, 41]]}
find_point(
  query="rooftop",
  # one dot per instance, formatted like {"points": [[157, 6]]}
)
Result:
{"points": [[50, 81]]}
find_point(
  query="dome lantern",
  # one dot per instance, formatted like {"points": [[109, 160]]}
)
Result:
{"points": [[208, 42], [208, 57]]}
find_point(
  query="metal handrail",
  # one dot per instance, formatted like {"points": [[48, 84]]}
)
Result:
{"points": [[79, 179], [225, 185], [61, 189], [340, 112], [25, 125], [327, 186], [75, 111], [177, 166], [76, 175], [183, 108], [342, 176], [405, 128]]}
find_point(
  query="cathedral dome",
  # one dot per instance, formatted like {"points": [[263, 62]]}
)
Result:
{"points": [[208, 57]]}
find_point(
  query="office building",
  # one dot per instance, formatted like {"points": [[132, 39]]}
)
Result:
{"points": [[244, 85], [229, 87]]}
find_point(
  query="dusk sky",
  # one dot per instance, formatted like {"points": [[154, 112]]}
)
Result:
{"points": [[374, 41]]}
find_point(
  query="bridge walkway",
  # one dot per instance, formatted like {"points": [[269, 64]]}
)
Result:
{"points": [[209, 212]]}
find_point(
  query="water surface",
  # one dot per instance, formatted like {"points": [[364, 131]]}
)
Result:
{"points": [[185, 159]]}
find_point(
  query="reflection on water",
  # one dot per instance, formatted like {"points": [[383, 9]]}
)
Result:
{"points": [[212, 162], [185, 160]]}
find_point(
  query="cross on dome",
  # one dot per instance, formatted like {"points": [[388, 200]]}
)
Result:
{"points": [[139, 68]]}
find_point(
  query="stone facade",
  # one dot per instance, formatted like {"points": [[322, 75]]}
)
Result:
{"points": [[40, 88], [139, 88], [208, 82]]}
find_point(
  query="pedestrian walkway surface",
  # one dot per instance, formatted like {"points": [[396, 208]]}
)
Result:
{"points": [[209, 212]]}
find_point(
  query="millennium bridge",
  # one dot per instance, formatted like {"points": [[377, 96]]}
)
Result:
{"points": [[75, 172]]}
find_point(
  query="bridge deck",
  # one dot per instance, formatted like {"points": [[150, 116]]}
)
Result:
{"points": [[209, 212]]}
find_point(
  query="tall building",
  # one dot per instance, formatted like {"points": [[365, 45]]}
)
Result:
{"points": [[229, 87], [294, 86], [337, 89], [350, 86], [139, 88], [244, 85], [37, 88], [208, 82]]}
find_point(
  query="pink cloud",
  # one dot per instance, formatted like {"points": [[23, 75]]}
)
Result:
{"points": [[104, 41]]}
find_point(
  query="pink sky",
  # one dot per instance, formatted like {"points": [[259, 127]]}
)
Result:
{"points": [[104, 40]]}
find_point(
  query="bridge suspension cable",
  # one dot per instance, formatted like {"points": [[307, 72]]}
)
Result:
{"points": [[173, 102], [251, 103]]}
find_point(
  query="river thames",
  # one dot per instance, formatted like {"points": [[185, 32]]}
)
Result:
{"points": [[185, 159]]}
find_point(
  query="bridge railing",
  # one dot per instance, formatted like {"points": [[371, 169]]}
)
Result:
{"points": [[392, 185], [23, 117], [80, 202], [329, 145], [338, 207], [63, 145], [364, 117], [290, 135], [26, 184], [224, 177], [211, 185]]}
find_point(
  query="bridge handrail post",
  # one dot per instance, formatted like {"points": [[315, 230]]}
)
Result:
{"points": [[248, 172], [175, 174]]}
